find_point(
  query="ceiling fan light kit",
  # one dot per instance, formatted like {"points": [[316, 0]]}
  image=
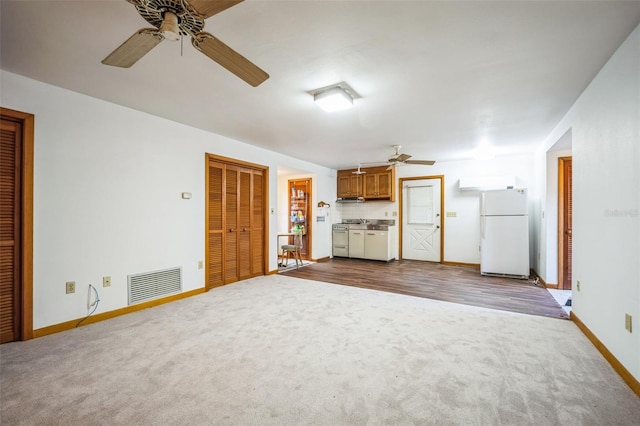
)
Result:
{"points": [[169, 27], [172, 18]]}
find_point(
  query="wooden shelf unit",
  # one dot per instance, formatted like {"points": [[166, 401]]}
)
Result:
{"points": [[300, 213]]}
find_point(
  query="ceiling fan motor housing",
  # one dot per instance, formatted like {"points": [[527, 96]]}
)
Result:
{"points": [[153, 11]]}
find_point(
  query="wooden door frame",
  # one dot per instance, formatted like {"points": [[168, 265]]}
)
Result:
{"points": [[561, 211], [308, 219], [265, 213], [27, 120], [401, 202]]}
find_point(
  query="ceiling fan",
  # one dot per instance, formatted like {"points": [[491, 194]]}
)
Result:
{"points": [[174, 18], [397, 159], [359, 172]]}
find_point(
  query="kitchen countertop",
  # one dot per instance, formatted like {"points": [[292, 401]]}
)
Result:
{"points": [[370, 224]]}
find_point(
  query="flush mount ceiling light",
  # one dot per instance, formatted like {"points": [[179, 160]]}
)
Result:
{"points": [[336, 97]]}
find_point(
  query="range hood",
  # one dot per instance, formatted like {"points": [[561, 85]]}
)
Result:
{"points": [[350, 200]]}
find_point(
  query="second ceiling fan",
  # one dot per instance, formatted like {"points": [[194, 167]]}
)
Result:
{"points": [[174, 18], [397, 159]]}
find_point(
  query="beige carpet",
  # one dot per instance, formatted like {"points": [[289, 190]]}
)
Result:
{"points": [[283, 351]]}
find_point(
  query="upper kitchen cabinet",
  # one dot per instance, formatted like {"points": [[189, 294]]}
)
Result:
{"points": [[379, 184], [374, 183], [349, 184]]}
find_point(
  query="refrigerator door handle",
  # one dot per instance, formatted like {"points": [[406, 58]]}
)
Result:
{"points": [[482, 204], [483, 219]]}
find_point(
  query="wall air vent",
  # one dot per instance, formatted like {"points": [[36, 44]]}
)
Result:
{"points": [[152, 285]]}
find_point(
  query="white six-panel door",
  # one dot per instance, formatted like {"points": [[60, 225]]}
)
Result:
{"points": [[421, 212]]}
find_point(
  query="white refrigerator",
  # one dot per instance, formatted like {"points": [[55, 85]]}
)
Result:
{"points": [[504, 227]]}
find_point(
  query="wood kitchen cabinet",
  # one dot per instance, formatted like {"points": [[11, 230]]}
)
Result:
{"points": [[349, 184], [378, 184], [375, 183]]}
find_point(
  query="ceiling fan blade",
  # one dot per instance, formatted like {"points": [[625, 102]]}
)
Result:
{"points": [[136, 46], [229, 58], [424, 162], [208, 8], [402, 157]]}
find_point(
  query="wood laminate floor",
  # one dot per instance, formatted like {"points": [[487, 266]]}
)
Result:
{"points": [[457, 284]]}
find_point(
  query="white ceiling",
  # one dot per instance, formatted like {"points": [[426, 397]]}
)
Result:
{"points": [[438, 78]]}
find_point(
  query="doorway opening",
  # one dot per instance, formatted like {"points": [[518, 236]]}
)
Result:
{"points": [[565, 215], [421, 222], [299, 219]]}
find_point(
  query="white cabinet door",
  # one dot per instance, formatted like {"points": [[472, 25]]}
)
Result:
{"points": [[356, 243], [376, 245]]}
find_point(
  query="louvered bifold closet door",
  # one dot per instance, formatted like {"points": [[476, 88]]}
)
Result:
{"points": [[231, 225], [244, 225], [257, 225], [10, 213], [215, 231], [235, 210]]}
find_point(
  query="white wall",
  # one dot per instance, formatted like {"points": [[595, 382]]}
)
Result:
{"points": [[107, 185], [462, 233], [605, 128]]}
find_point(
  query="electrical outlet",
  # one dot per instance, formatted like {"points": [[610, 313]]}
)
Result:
{"points": [[452, 214], [200, 264], [71, 287], [106, 281], [627, 323], [578, 285], [395, 213]]}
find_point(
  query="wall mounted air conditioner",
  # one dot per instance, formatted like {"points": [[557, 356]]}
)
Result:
{"points": [[487, 183]]}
